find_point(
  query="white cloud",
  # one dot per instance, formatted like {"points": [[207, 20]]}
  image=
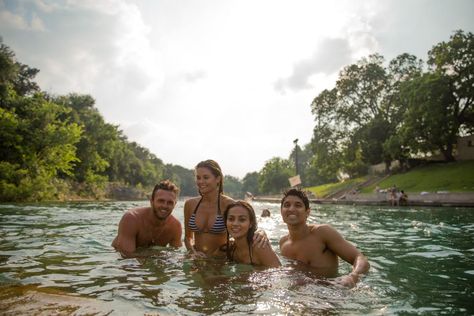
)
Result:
{"points": [[9, 20], [329, 57]]}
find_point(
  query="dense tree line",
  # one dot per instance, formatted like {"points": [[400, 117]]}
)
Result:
{"points": [[58, 146], [55, 147], [378, 113]]}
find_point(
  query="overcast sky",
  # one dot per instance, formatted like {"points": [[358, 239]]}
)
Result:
{"points": [[215, 79]]}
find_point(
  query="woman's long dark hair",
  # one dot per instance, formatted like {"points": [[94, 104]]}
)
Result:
{"points": [[253, 226]]}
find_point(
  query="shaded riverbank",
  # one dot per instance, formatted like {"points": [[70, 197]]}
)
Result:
{"points": [[461, 199]]}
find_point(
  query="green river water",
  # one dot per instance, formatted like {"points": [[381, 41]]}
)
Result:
{"points": [[57, 259]]}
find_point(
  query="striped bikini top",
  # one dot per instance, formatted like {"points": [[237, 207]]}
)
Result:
{"points": [[217, 228]]}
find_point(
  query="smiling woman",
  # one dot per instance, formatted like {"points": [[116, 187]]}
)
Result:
{"points": [[241, 224], [203, 222]]}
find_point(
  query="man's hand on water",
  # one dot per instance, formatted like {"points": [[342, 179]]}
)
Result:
{"points": [[349, 280]]}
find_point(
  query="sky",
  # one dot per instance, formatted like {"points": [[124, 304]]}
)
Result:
{"points": [[226, 80]]}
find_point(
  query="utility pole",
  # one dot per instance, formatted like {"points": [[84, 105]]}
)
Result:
{"points": [[296, 155]]}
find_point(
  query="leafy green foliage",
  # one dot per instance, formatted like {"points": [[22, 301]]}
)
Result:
{"points": [[431, 121], [273, 178], [250, 183], [233, 187], [378, 114], [56, 146]]}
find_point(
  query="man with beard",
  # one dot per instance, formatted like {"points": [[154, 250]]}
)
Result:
{"points": [[151, 225]]}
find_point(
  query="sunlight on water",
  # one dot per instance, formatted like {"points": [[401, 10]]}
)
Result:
{"points": [[59, 255]]}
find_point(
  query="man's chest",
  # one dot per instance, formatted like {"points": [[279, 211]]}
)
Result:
{"points": [[153, 236], [311, 252]]}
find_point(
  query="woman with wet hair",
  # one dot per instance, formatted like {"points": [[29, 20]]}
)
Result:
{"points": [[241, 224]]}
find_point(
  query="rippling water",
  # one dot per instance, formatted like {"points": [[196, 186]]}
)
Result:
{"points": [[422, 262]]}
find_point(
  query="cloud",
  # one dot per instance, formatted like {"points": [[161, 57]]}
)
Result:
{"points": [[194, 76], [331, 55], [101, 48], [9, 20]]}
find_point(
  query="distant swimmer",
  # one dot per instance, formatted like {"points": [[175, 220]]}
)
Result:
{"points": [[317, 245], [151, 225], [265, 213]]}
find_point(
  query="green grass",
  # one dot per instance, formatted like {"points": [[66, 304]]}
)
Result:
{"points": [[324, 190], [452, 177]]}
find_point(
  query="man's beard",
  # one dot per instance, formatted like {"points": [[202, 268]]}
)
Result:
{"points": [[156, 212]]}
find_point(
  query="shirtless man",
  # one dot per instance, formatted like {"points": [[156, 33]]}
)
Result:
{"points": [[318, 245], [151, 225]]}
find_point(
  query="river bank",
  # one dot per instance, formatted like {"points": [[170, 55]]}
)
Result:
{"points": [[454, 199]]}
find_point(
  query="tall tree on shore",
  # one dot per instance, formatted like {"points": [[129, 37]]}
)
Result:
{"points": [[430, 122], [57, 145], [250, 183], [360, 114], [440, 103], [273, 178], [455, 60]]}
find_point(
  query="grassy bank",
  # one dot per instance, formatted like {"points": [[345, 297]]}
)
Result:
{"points": [[325, 190], [452, 177]]}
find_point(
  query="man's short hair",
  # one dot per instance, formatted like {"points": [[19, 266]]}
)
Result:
{"points": [[165, 185], [298, 193]]}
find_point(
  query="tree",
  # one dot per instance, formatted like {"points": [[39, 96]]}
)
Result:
{"points": [[250, 183], [233, 187], [38, 147], [361, 113], [431, 122], [273, 178], [183, 177], [455, 61], [51, 144]]}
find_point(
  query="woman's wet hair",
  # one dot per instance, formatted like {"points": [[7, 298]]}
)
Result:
{"points": [[253, 223], [166, 185], [215, 169], [298, 193]]}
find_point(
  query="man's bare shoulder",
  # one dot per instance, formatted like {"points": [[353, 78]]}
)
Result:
{"points": [[173, 221], [320, 228], [136, 213], [325, 232]]}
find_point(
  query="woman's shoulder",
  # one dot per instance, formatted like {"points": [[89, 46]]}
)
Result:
{"points": [[191, 202], [227, 199]]}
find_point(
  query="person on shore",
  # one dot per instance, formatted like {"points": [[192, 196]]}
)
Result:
{"points": [[394, 197], [204, 223], [403, 198], [317, 245], [151, 225], [241, 224]]}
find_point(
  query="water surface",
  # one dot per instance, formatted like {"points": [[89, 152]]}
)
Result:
{"points": [[422, 262]]}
